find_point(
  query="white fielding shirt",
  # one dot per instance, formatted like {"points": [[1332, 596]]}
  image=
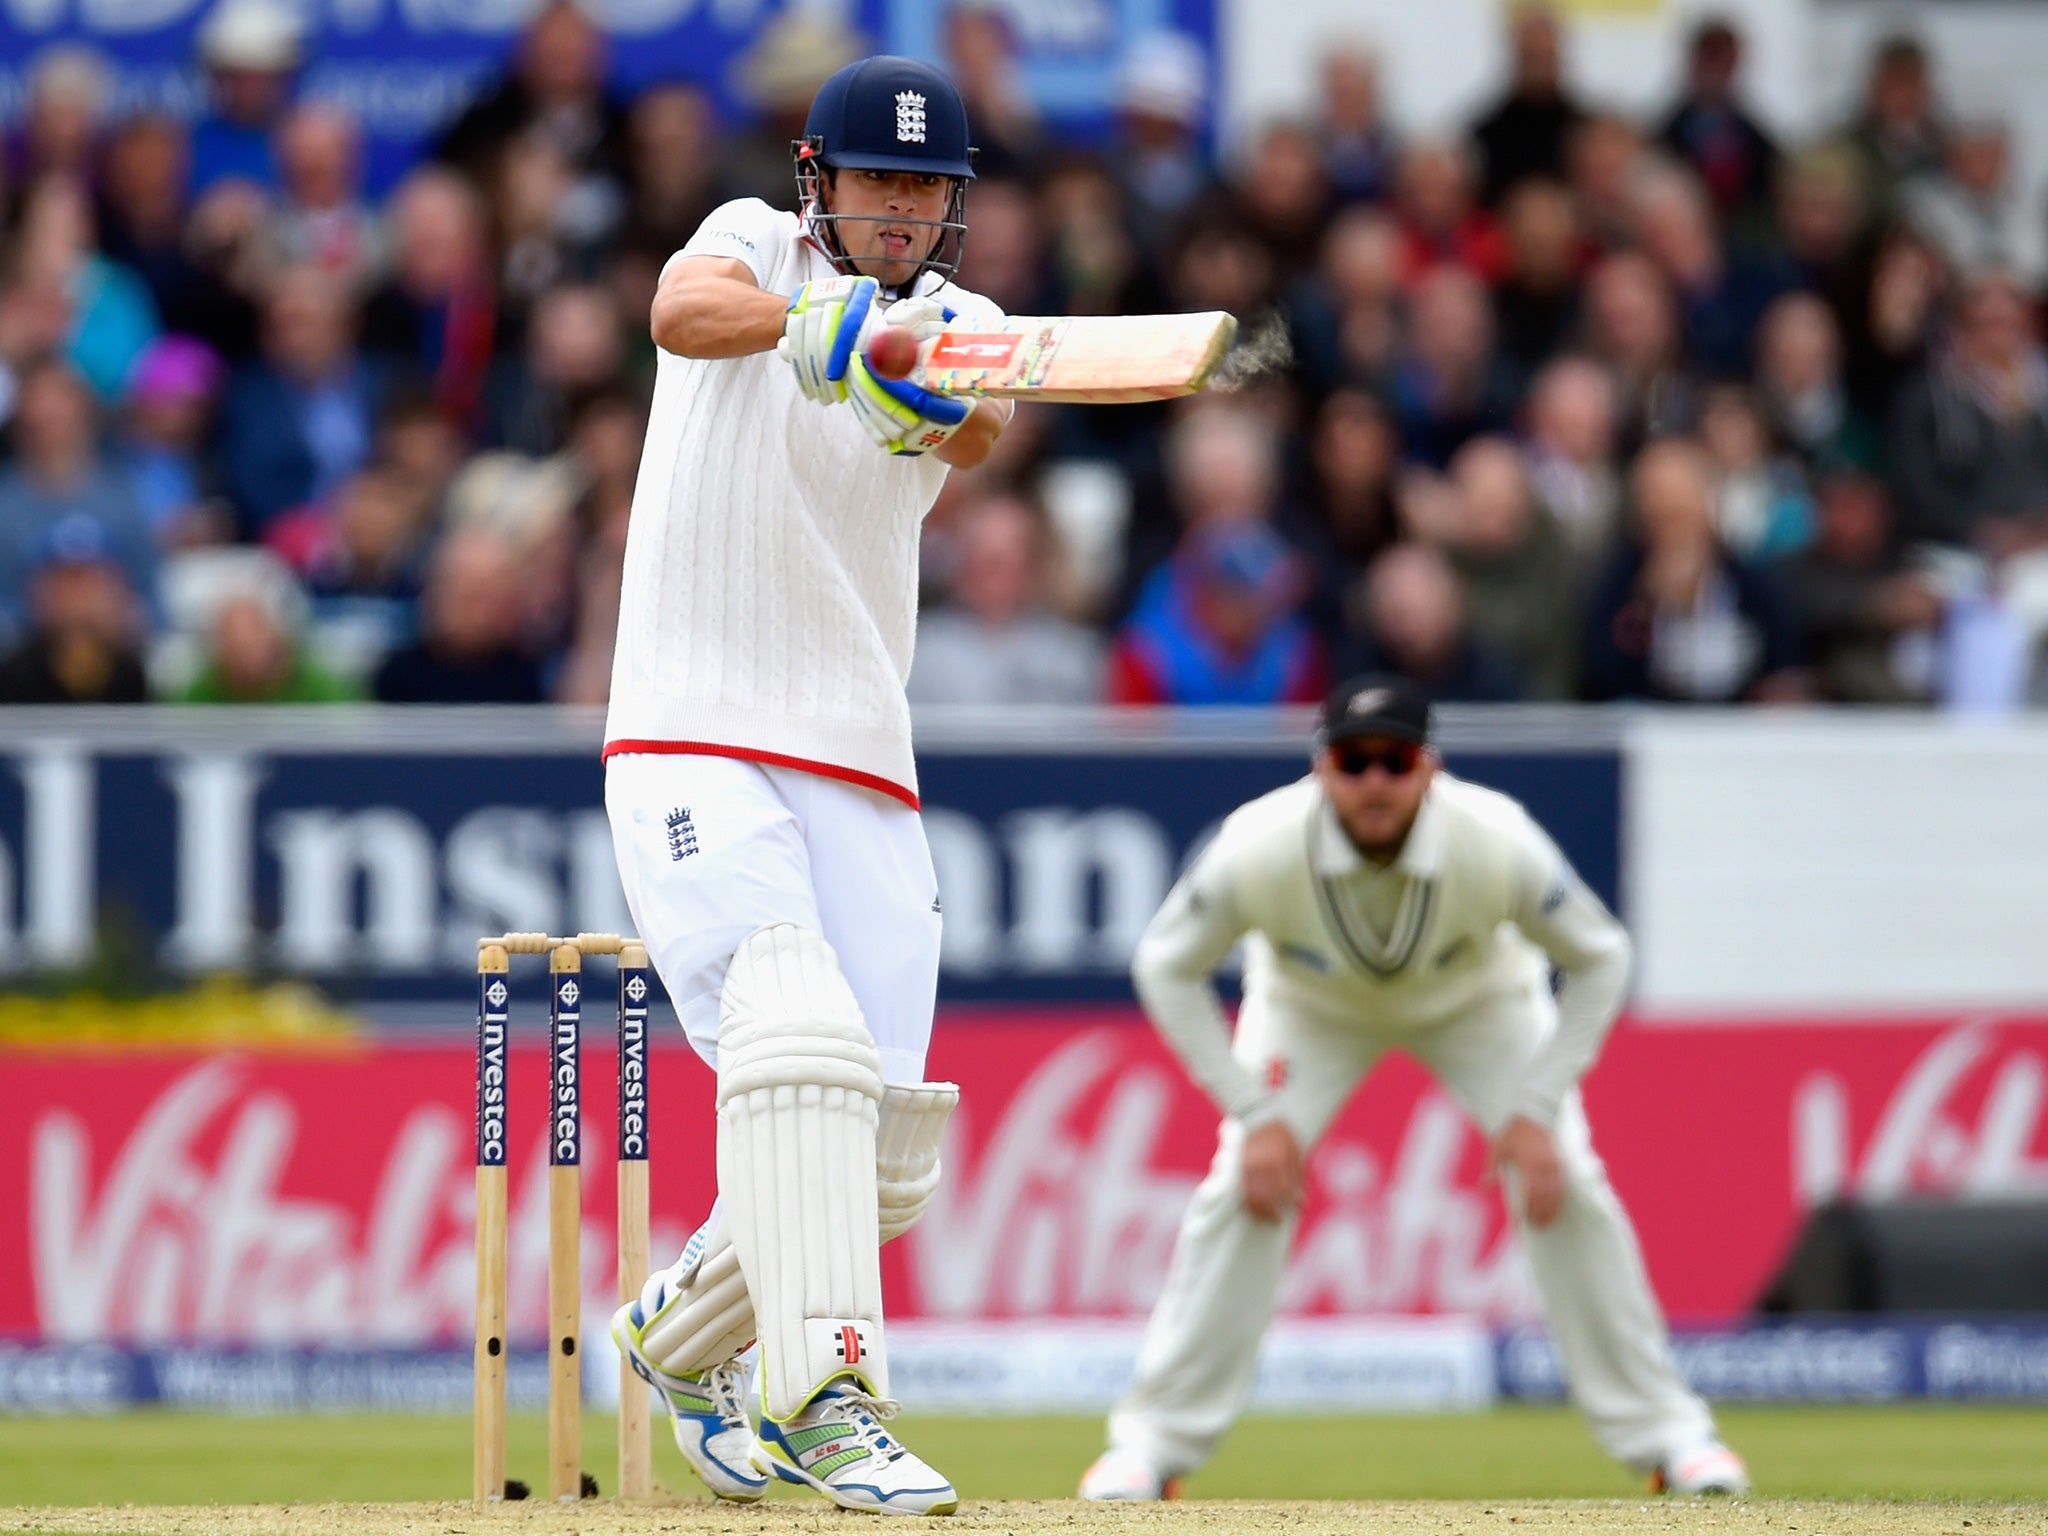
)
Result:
{"points": [[1466, 914], [770, 598]]}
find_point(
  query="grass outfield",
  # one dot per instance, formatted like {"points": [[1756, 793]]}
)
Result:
{"points": [[1867, 1453]]}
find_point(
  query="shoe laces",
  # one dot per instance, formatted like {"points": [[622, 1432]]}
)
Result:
{"points": [[863, 1414], [728, 1385]]}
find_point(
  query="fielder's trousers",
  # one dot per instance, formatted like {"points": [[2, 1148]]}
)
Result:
{"points": [[1201, 1347]]}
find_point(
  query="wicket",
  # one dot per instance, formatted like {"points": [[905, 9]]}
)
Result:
{"points": [[565, 1205]]}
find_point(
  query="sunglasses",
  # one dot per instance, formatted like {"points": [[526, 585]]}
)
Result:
{"points": [[1397, 759]]}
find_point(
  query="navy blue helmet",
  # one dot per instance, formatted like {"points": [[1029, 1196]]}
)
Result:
{"points": [[888, 113]]}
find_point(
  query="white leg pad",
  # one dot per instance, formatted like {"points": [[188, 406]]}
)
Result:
{"points": [[799, 1082], [699, 1313], [912, 1129]]}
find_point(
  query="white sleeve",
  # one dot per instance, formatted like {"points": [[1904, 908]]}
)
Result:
{"points": [[1591, 951], [744, 230], [1174, 971]]}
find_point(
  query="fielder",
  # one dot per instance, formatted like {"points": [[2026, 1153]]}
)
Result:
{"points": [[759, 781], [1385, 904]]}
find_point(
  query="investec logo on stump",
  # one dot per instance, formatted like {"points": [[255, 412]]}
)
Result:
{"points": [[633, 1069], [490, 1104], [565, 1092]]}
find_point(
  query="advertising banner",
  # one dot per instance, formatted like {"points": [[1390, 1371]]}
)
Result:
{"points": [[407, 67], [324, 1197], [367, 852]]}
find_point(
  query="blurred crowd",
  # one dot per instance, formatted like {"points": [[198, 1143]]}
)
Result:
{"points": [[1565, 405]]}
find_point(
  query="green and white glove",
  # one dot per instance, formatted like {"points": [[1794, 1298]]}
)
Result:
{"points": [[829, 322]]}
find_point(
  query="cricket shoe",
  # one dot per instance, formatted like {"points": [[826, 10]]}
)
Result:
{"points": [[707, 1408], [1709, 1467], [837, 1445], [1124, 1475]]}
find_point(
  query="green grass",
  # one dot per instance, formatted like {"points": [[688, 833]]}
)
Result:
{"points": [[1891, 1452]]}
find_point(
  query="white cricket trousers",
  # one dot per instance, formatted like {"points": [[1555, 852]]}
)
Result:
{"points": [[1201, 1347], [712, 848]]}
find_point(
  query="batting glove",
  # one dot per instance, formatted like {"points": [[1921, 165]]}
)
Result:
{"points": [[828, 323], [903, 417]]}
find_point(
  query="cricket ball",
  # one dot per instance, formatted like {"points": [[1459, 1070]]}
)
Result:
{"points": [[893, 352]]}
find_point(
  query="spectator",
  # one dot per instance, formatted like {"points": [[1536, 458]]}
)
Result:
{"points": [[67, 104], [1800, 388], [674, 177], [251, 50], [1528, 132], [365, 565], [1969, 211], [1869, 618], [1163, 92], [1358, 148], [254, 658], [1409, 617], [58, 477], [555, 92], [1536, 301], [1820, 226], [1222, 465], [1710, 131], [1571, 454], [298, 423], [225, 238], [1354, 453], [1676, 617], [798, 49], [171, 401], [572, 348], [997, 642], [1722, 298], [1345, 319], [1219, 624], [82, 646], [1284, 196], [1762, 509], [112, 317], [470, 619], [435, 317], [1606, 155], [322, 221], [143, 188], [1095, 264], [1221, 264], [604, 443], [1898, 136], [1449, 387], [1893, 328], [981, 60], [1969, 445], [1440, 222], [1005, 261], [1632, 328], [1520, 579]]}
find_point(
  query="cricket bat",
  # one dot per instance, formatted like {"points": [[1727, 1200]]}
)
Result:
{"points": [[1081, 359]]}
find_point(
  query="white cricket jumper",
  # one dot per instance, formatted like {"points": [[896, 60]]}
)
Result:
{"points": [[770, 597]]}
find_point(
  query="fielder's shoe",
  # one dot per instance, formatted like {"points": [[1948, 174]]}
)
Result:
{"points": [[1709, 1467], [837, 1445], [708, 1409], [1121, 1474]]}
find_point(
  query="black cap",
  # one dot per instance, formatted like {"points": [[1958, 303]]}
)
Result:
{"points": [[1376, 704]]}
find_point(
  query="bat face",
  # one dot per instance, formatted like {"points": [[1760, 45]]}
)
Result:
{"points": [[1088, 359]]}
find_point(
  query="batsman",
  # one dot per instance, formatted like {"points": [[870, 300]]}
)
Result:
{"points": [[759, 781], [1384, 904]]}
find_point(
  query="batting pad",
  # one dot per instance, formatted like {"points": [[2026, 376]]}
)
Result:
{"points": [[799, 1084], [701, 1315], [912, 1128]]}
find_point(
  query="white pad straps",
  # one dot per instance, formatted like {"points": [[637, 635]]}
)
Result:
{"points": [[912, 1129], [799, 1081]]}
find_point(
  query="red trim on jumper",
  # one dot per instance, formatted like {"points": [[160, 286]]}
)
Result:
{"points": [[772, 759]]}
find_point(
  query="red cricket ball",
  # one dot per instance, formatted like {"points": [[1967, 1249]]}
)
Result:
{"points": [[892, 353]]}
